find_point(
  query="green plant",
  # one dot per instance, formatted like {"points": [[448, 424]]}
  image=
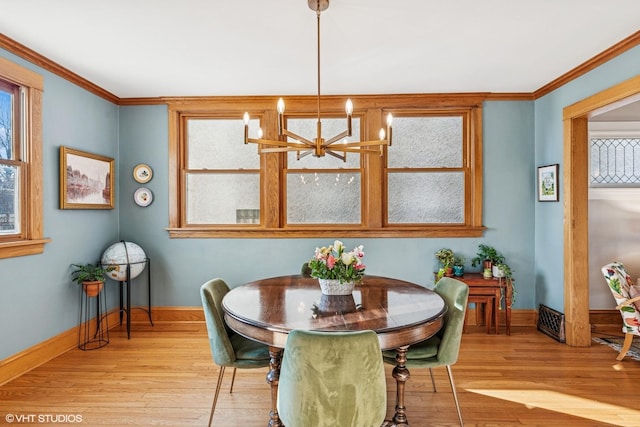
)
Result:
{"points": [[89, 273], [506, 270], [446, 257], [334, 262], [507, 274], [459, 260], [487, 253]]}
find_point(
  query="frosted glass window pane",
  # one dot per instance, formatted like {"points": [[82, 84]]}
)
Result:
{"points": [[219, 144], [330, 127], [426, 142], [322, 198], [426, 197], [221, 198]]}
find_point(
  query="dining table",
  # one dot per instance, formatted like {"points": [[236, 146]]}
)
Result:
{"points": [[401, 313]]}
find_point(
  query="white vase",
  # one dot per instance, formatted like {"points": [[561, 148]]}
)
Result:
{"points": [[334, 287]]}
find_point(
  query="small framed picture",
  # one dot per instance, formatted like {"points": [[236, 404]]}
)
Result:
{"points": [[86, 180], [548, 183]]}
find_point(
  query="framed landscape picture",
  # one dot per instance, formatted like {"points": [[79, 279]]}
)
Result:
{"points": [[86, 180], [548, 183]]}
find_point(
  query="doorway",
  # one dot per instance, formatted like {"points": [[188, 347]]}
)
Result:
{"points": [[576, 187]]}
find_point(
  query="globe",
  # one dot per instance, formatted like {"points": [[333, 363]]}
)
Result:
{"points": [[119, 255]]}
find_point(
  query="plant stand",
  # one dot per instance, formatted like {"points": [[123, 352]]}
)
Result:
{"points": [[93, 327]]}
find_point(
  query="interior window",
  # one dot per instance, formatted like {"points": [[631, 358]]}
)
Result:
{"points": [[427, 184]]}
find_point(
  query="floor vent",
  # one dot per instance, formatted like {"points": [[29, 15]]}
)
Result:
{"points": [[551, 322]]}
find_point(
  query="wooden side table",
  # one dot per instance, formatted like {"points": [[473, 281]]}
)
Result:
{"points": [[480, 288]]}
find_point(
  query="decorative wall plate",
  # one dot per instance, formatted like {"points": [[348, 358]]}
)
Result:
{"points": [[142, 173], [143, 197]]}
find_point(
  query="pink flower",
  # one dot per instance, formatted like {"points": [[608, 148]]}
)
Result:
{"points": [[331, 262]]}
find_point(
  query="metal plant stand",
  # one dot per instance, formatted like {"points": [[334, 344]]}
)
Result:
{"points": [[93, 326]]}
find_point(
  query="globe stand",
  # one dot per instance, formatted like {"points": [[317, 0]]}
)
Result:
{"points": [[125, 286]]}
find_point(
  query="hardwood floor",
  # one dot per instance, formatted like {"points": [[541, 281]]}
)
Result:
{"points": [[164, 375]]}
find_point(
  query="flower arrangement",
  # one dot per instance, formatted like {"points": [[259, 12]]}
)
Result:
{"points": [[335, 263]]}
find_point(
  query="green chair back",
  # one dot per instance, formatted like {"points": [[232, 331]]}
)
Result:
{"points": [[227, 347], [305, 270], [330, 379], [455, 293]]}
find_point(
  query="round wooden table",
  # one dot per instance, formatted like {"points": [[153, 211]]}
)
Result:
{"points": [[401, 313]]}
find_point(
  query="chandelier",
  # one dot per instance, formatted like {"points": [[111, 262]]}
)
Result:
{"points": [[337, 146]]}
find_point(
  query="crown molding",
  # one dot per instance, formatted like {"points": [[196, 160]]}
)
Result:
{"points": [[41, 61]]}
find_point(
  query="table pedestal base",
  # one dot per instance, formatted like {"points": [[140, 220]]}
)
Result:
{"points": [[401, 374], [273, 378]]}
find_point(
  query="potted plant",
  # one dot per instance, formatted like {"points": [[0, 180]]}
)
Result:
{"points": [[336, 269], [446, 259], [488, 256], [503, 271], [458, 265], [91, 277]]}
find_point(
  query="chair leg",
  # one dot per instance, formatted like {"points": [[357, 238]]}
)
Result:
{"points": [[233, 378], [628, 339], [455, 395], [433, 382], [215, 395]]}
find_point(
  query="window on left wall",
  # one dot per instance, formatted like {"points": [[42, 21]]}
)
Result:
{"points": [[21, 228]]}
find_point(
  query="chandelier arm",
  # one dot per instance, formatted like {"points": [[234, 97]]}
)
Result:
{"points": [[301, 139], [276, 150], [303, 154], [353, 150], [336, 138], [336, 155], [267, 142], [363, 144], [278, 146]]}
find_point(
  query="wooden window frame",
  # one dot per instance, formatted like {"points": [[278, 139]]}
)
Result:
{"points": [[30, 240], [272, 165]]}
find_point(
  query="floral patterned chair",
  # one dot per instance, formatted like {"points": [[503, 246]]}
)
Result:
{"points": [[627, 296]]}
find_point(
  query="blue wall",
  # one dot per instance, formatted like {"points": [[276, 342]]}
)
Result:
{"points": [[38, 300], [180, 266], [549, 219]]}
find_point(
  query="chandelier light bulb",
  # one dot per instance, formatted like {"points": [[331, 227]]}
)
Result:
{"points": [[389, 119], [348, 107], [382, 134], [246, 119], [259, 133], [280, 106]]}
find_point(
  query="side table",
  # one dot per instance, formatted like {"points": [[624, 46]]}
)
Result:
{"points": [[480, 288]]}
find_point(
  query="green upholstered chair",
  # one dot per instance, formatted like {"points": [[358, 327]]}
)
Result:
{"points": [[441, 349], [330, 379], [227, 348], [305, 271]]}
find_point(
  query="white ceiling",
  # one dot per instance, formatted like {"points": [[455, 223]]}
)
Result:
{"points": [[149, 48]]}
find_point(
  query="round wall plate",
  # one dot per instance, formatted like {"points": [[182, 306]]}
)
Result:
{"points": [[142, 173], [143, 197]]}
